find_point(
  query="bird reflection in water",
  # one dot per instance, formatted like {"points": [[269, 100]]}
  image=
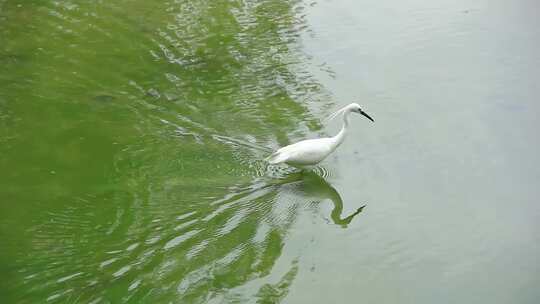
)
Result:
{"points": [[315, 188]]}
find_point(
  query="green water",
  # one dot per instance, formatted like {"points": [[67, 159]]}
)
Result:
{"points": [[133, 133]]}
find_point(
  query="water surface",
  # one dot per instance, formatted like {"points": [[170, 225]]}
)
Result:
{"points": [[133, 133]]}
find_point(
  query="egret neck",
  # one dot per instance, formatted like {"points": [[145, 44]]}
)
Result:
{"points": [[340, 137]]}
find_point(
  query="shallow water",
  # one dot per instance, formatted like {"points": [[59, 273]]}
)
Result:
{"points": [[133, 133]]}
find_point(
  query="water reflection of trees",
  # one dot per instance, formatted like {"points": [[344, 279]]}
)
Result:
{"points": [[190, 90], [232, 77]]}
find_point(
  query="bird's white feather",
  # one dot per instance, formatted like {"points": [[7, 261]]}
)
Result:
{"points": [[310, 152], [336, 114], [303, 153]]}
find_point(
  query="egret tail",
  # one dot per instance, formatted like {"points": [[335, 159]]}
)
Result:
{"points": [[276, 158]]}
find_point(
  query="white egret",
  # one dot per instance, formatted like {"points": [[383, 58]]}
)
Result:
{"points": [[310, 152]]}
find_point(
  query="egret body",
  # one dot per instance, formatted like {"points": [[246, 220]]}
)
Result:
{"points": [[310, 152]]}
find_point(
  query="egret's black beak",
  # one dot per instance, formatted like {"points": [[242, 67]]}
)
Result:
{"points": [[366, 115]]}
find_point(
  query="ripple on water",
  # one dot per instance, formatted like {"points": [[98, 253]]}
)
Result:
{"points": [[159, 204], [122, 271], [180, 239], [186, 224]]}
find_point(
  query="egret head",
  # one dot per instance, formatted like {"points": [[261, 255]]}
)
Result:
{"points": [[354, 107]]}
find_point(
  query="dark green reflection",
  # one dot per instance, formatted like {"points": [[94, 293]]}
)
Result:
{"points": [[274, 293], [130, 146]]}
